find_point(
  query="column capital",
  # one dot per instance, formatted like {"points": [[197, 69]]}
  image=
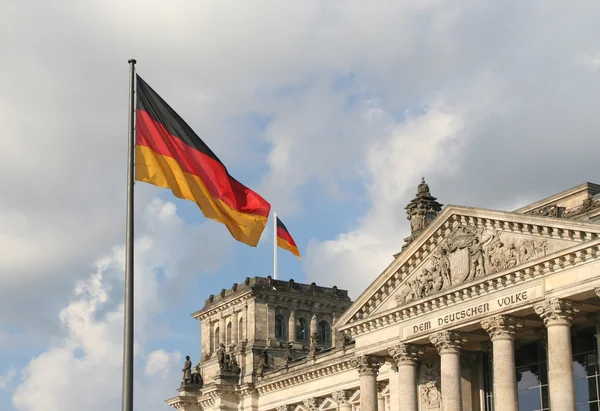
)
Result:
{"points": [[283, 408], [501, 327], [366, 364], [341, 397], [557, 311], [597, 291], [406, 354], [448, 341]]}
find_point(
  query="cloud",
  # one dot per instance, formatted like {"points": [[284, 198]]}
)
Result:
{"points": [[161, 361], [7, 378], [88, 359]]}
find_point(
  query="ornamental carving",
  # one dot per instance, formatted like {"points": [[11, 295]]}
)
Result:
{"points": [[430, 386], [448, 341], [501, 327], [406, 354], [311, 404], [587, 206], [468, 252], [548, 211], [557, 311], [341, 397], [366, 364]]}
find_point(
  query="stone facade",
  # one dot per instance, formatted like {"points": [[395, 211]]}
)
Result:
{"points": [[445, 327]]}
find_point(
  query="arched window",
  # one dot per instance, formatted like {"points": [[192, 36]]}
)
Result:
{"points": [[280, 327], [228, 336], [217, 342], [323, 333], [241, 330], [301, 334]]}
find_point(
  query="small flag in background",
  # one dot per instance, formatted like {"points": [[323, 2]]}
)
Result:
{"points": [[285, 240], [169, 154]]}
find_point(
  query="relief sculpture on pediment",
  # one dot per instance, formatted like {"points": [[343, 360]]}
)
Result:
{"points": [[467, 253]]}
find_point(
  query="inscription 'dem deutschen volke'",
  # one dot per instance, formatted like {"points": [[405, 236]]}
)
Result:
{"points": [[475, 311]]}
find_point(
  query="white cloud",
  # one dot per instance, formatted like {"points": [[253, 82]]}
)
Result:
{"points": [[7, 377], [88, 359], [161, 361]]}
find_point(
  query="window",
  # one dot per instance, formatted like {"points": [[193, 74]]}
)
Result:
{"points": [[323, 333], [241, 330], [217, 338], [301, 334], [279, 327], [228, 336]]}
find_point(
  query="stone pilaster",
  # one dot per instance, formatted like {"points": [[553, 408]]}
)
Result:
{"points": [[449, 345], [222, 331], [501, 329], [234, 328], [405, 358], [381, 386], [292, 326], [368, 367], [341, 397], [558, 315]]}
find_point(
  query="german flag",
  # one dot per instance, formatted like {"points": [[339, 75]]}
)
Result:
{"points": [[169, 154], [285, 240]]}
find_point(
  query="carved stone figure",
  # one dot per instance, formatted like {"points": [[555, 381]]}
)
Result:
{"points": [[430, 386], [233, 365], [312, 349], [467, 253], [287, 353], [221, 355], [263, 362], [187, 371]]}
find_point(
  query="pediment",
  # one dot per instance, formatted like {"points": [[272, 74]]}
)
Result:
{"points": [[462, 246]]}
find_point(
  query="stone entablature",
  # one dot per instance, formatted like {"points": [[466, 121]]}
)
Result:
{"points": [[539, 236], [485, 286]]}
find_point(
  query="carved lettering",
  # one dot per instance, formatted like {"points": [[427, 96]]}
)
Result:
{"points": [[512, 299], [422, 327]]}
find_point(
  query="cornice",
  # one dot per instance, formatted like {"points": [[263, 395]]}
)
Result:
{"points": [[558, 196], [240, 300], [556, 262], [307, 373]]}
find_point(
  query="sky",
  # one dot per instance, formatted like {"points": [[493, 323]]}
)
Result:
{"points": [[331, 110]]}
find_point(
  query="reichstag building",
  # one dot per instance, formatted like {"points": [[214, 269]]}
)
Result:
{"points": [[479, 310]]}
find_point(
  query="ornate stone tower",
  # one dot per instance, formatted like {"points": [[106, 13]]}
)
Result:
{"points": [[421, 211], [258, 326]]}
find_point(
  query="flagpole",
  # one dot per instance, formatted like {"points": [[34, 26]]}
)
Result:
{"points": [[275, 245], [127, 404]]}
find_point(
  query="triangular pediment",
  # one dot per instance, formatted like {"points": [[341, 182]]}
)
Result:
{"points": [[463, 245]]}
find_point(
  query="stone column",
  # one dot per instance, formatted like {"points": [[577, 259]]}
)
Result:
{"points": [[234, 327], [341, 397], [405, 356], [222, 332], [292, 326], [367, 366], [449, 344], [558, 315], [467, 362], [501, 329]]}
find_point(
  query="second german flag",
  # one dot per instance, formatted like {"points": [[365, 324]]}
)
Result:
{"points": [[285, 240], [169, 154]]}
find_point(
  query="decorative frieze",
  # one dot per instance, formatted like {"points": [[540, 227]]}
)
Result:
{"points": [[448, 341], [406, 353], [557, 311], [501, 327], [367, 364]]}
